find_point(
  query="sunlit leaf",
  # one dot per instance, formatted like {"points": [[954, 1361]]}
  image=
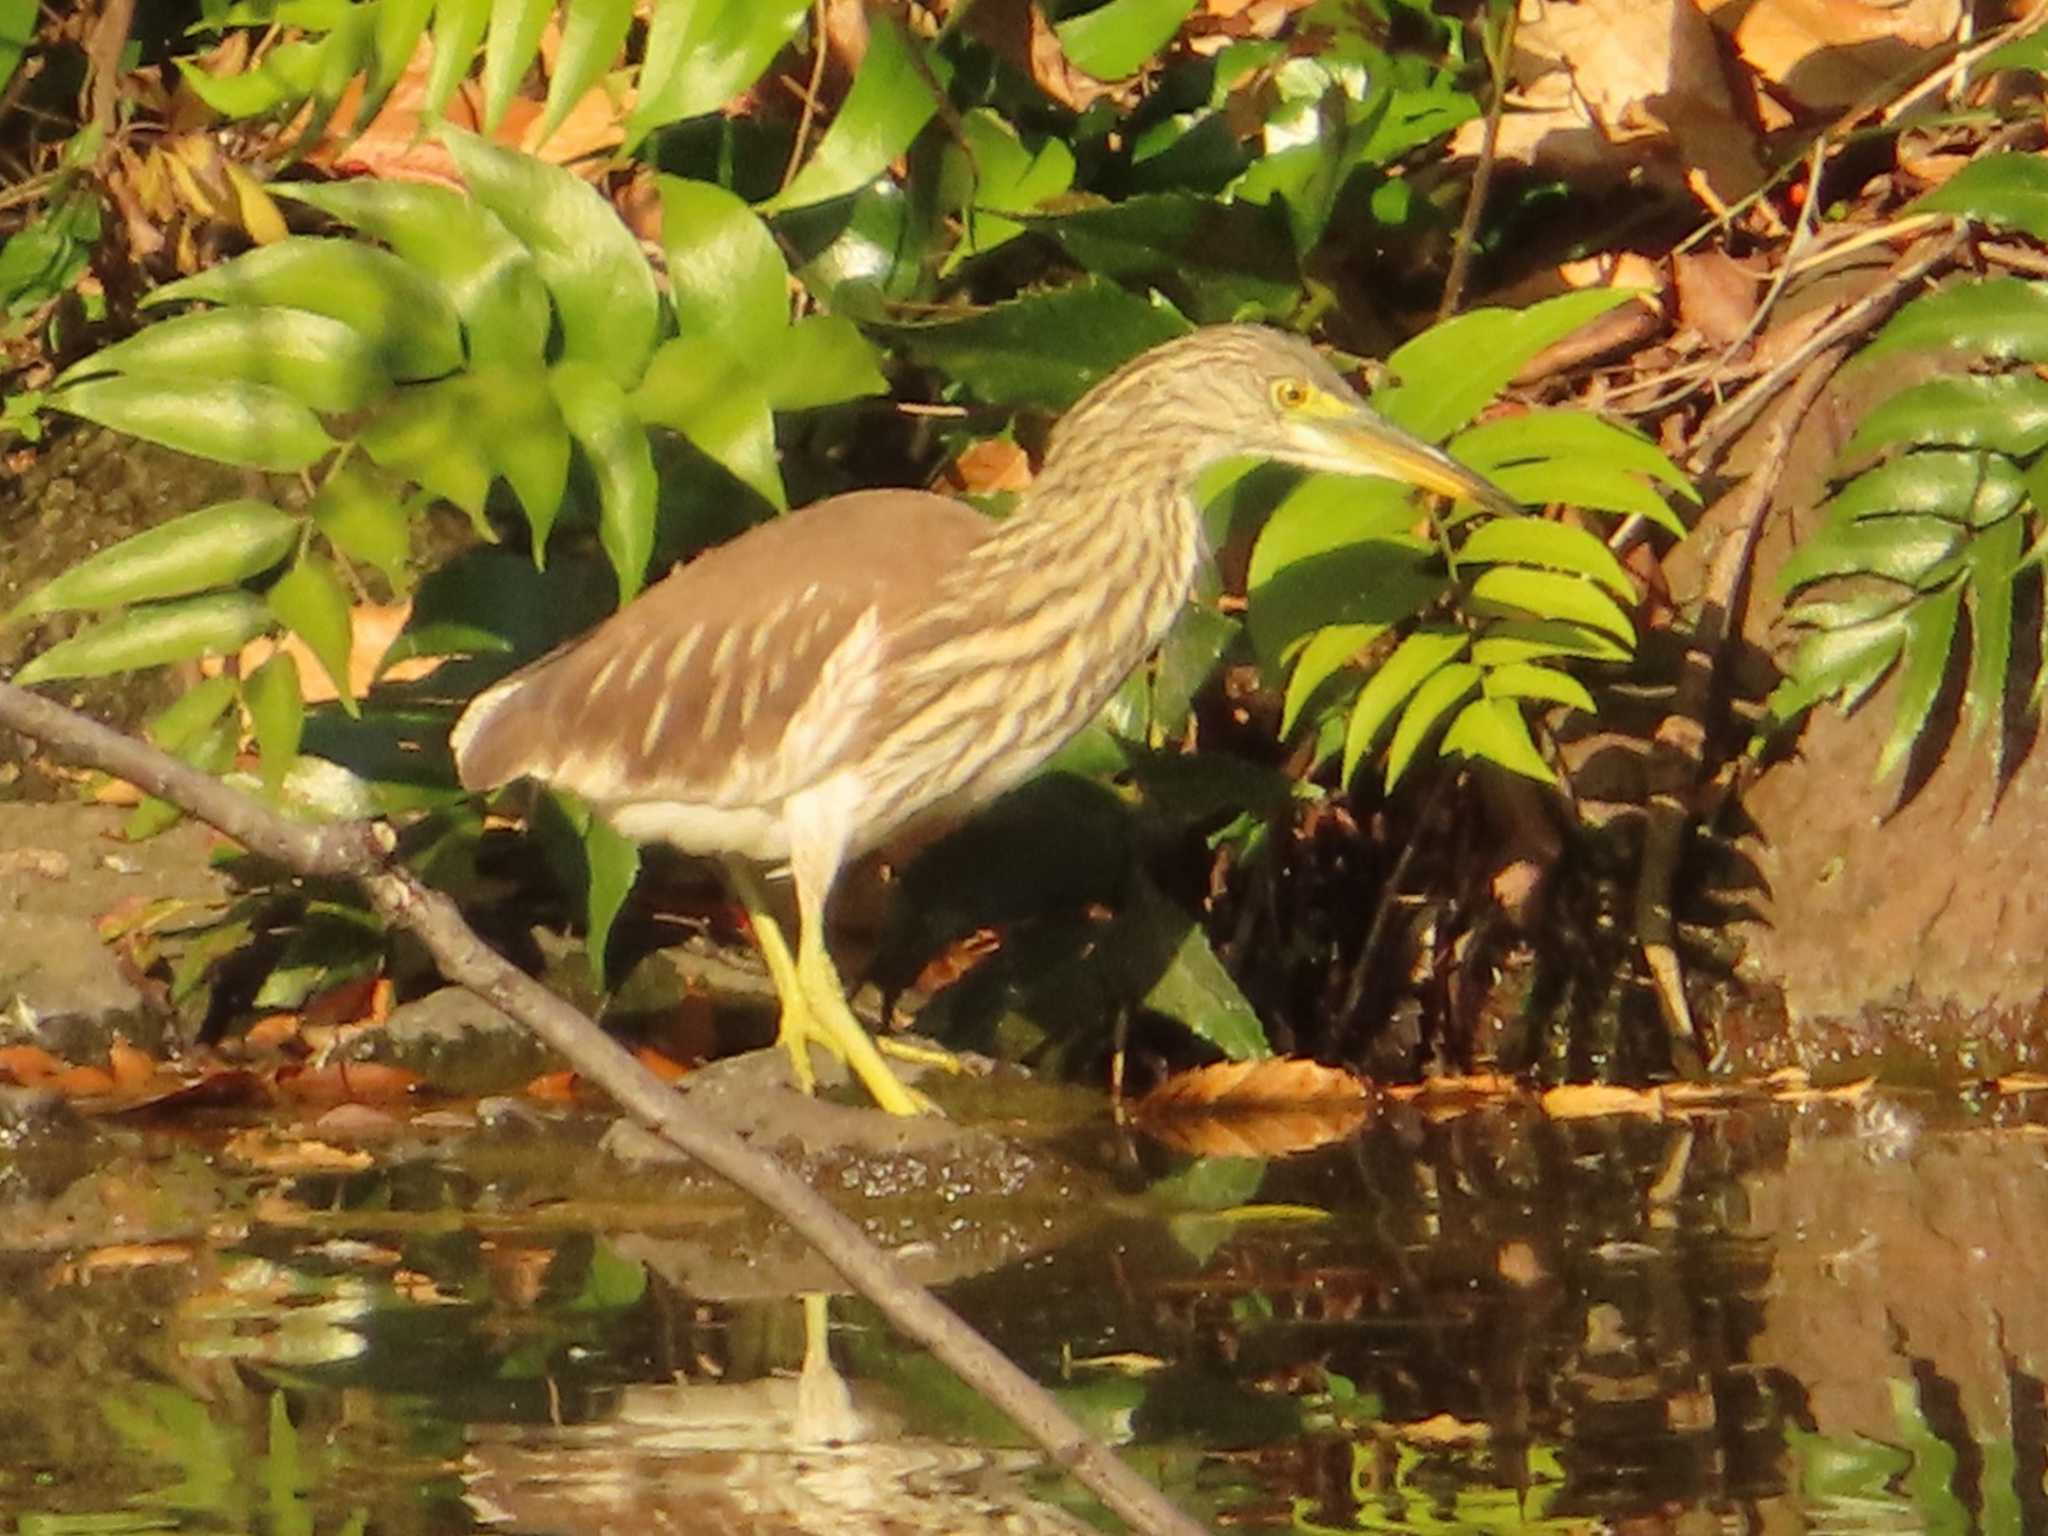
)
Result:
{"points": [[151, 634], [251, 425], [894, 95], [216, 546], [398, 309]]}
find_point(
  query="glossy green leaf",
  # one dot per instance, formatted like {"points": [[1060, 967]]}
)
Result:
{"points": [[1511, 642], [697, 388], [1415, 660], [613, 863], [2000, 317], [398, 309], [1551, 595], [488, 276], [250, 425], [1914, 550], [1436, 696], [510, 48], [429, 435], [316, 360], [894, 95], [1930, 638], [1191, 987], [152, 634], [990, 173], [1993, 563], [1326, 513], [363, 514], [1530, 680], [1448, 372], [592, 33], [1570, 435], [601, 420], [1554, 546], [700, 56], [603, 289], [310, 601], [216, 546], [1217, 261], [1973, 489], [2009, 190], [1117, 39], [1328, 650], [2007, 412], [726, 275], [277, 712], [1045, 349], [458, 32], [1494, 730]]}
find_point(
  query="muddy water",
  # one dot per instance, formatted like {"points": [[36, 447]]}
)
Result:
{"points": [[1825, 1317]]}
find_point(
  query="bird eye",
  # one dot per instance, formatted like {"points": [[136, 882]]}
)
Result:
{"points": [[1290, 394]]}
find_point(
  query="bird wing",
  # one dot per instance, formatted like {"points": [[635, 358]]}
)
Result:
{"points": [[738, 679]]}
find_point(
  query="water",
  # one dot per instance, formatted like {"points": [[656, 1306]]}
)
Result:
{"points": [[1818, 1317]]}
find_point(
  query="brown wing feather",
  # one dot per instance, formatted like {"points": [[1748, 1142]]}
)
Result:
{"points": [[685, 693]]}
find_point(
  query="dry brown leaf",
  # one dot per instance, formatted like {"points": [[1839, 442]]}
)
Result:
{"points": [[269, 1152], [1579, 1101]]}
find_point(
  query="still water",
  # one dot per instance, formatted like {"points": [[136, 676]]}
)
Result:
{"points": [[1825, 1316]]}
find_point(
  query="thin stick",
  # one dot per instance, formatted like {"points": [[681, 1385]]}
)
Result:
{"points": [[361, 851]]}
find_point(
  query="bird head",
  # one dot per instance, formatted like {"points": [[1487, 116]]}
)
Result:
{"points": [[1227, 391]]}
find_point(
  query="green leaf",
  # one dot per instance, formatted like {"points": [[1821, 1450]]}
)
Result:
{"points": [[509, 51], [1529, 680], [1191, 987], [310, 600], [726, 275], [2007, 412], [603, 289], [1552, 595], [613, 862], [2009, 189], [1993, 563], [458, 30], [216, 546], [1045, 349], [1494, 730], [1114, 41], [1217, 261], [602, 421], [398, 309], [700, 56], [697, 388], [1913, 550], [152, 634], [1448, 372], [1929, 638], [894, 95], [1556, 546], [1973, 489], [316, 360], [2004, 318], [592, 33], [1437, 695], [1562, 434], [364, 516], [1329, 649], [1414, 661], [250, 425], [277, 710], [1509, 642], [489, 277]]}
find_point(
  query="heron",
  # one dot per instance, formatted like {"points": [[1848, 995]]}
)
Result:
{"points": [[886, 661]]}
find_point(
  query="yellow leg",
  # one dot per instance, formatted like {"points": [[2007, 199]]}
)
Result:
{"points": [[814, 1007]]}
